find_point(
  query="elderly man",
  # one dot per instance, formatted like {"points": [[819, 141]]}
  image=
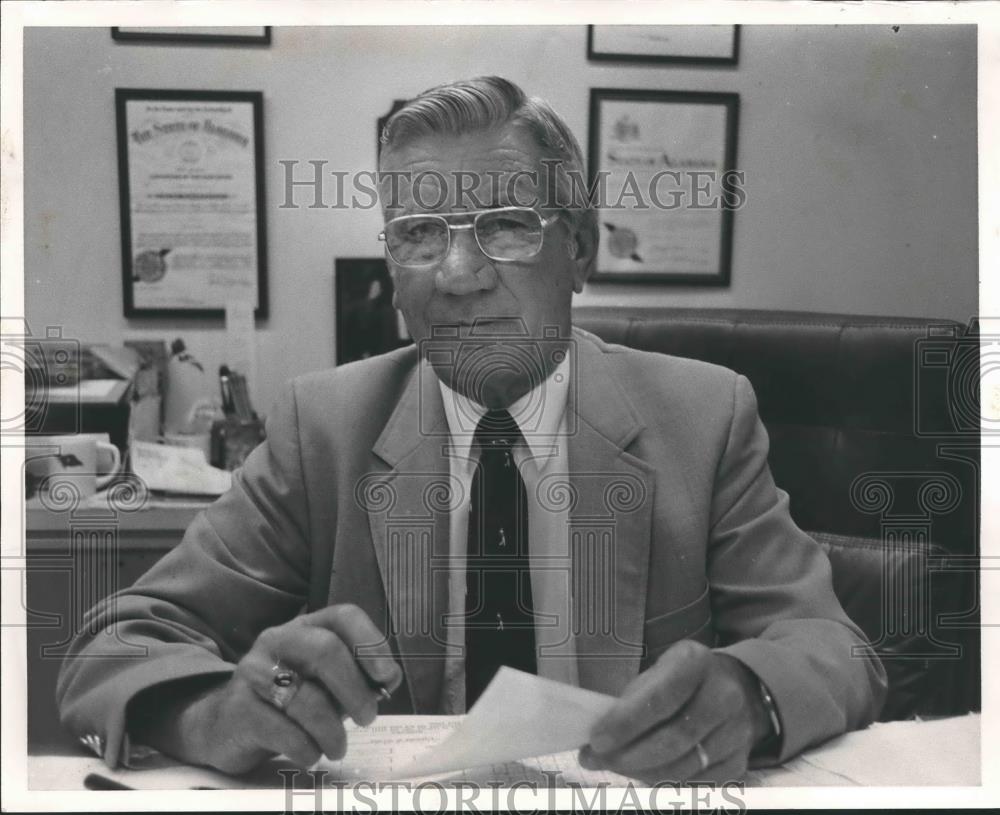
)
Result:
{"points": [[510, 491]]}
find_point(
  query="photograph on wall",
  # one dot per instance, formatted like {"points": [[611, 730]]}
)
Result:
{"points": [[664, 165], [191, 197], [367, 323]]}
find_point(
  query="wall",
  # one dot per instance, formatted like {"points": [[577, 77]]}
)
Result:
{"points": [[859, 146]]}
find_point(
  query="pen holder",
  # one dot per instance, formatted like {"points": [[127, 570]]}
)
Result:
{"points": [[233, 439]]}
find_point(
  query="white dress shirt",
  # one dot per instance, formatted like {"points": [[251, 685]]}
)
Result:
{"points": [[541, 416]]}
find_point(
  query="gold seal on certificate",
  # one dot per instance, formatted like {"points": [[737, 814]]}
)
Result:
{"points": [[150, 266]]}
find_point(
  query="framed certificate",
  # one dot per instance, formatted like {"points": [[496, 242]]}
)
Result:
{"points": [[662, 166], [683, 44], [190, 178]]}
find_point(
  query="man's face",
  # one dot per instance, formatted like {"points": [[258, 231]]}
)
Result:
{"points": [[467, 287]]}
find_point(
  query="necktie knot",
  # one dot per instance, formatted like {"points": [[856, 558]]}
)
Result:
{"points": [[497, 428]]}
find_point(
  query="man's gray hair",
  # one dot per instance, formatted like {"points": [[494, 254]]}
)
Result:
{"points": [[488, 102]]}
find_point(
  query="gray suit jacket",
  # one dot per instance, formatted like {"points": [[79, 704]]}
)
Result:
{"points": [[676, 531]]}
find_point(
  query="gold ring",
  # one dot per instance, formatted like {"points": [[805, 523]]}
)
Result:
{"points": [[702, 756], [284, 685]]}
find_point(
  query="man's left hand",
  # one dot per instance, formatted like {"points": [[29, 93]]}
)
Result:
{"points": [[695, 715]]}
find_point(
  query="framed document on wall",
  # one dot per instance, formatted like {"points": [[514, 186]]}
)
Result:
{"points": [[706, 45], [662, 165], [191, 187]]}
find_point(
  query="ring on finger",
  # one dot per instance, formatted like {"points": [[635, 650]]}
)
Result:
{"points": [[703, 759], [284, 685]]}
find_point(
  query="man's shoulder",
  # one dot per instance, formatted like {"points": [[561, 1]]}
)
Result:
{"points": [[680, 376], [369, 385], [691, 403]]}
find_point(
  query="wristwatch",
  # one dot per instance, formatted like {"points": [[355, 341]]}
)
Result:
{"points": [[773, 739]]}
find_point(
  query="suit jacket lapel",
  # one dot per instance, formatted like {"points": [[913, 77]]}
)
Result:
{"points": [[408, 514], [610, 525]]}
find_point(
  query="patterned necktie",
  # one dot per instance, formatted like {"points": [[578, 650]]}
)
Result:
{"points": [[499, 624]]}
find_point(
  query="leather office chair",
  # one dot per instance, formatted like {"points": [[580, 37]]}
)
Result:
{"points": [[874, 430]]}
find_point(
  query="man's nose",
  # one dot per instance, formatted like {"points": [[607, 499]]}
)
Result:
{"points": [[465, 269]]}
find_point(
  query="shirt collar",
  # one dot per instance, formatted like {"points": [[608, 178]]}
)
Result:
{"points": [[538, 413]]}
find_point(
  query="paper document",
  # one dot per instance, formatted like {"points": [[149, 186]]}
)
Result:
{"points": [[89, 390], [379, 752], [938, 752], [519, 718], [177, 469]]}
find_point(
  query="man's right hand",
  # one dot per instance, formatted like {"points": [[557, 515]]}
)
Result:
{"points": [[339, 655]]}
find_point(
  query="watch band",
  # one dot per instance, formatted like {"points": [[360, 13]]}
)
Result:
{"points": [[772, 711]]}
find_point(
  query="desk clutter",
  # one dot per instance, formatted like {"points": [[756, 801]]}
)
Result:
{"points": [[99, 413], [944, 753], [240, 430]]}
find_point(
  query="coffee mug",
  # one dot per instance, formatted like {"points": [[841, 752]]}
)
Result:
{"points": [[87, 461]]}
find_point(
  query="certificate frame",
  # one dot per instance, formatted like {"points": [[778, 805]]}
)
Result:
{"points": [[719, 273], [604, 44], [250, 106], [190, 36]]}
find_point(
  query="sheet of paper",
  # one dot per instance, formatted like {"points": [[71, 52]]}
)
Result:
{"points": [[381, 751], [177, 469], [518, 716], [942, 752], [89, 390]]}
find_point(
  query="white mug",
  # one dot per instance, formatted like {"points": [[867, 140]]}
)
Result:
{"points": [[87, 461]]}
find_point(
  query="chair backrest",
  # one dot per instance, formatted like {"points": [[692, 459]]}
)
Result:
{"points": [[874, 430]]}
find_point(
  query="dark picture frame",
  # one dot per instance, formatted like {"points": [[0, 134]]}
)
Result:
{"points": [[133, 254], [595, 52], [367, 323], [631, 238], [190, 36]]}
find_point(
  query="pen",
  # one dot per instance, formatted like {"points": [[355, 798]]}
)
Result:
{"points": [[381, 690], [93, 781], [227, 399]]}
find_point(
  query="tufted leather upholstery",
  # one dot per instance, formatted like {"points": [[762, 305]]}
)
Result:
{"points": [[874, 434]]}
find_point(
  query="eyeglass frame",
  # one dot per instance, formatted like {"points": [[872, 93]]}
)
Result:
{"points": [[546, 222]]}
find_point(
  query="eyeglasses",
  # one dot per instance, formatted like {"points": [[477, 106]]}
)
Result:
{"points": [[505, 234]]}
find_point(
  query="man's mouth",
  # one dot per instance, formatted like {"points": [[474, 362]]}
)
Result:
{"points": [[501, 324]]}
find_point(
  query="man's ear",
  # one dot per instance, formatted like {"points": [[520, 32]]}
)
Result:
{"points": [[395, 284], [584, 242]]}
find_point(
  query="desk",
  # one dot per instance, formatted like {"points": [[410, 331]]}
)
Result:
{"points": [[943, 752], [78, 553]]}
